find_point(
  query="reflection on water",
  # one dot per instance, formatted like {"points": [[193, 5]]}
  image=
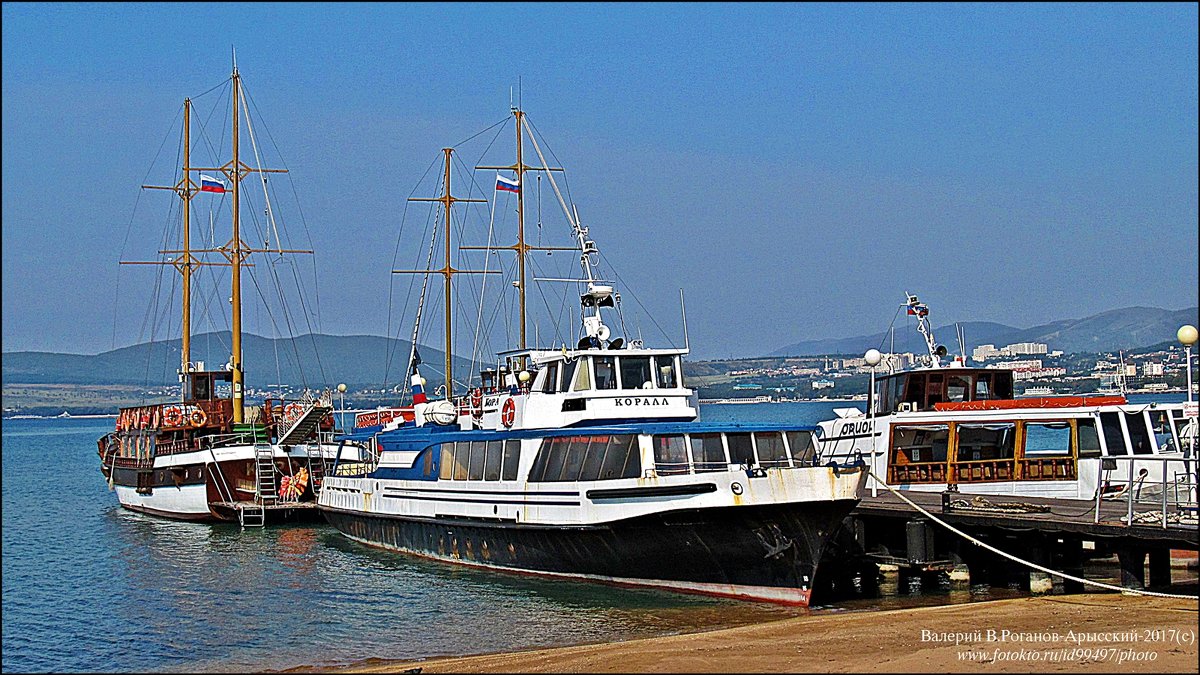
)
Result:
{"points": [[89, 586]]}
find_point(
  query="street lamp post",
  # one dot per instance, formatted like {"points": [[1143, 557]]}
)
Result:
{"points": [[872, 357], [1187, 337], [342, 403]]}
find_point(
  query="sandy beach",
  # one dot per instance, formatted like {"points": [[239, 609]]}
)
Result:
{"points": [[1072, 633]]}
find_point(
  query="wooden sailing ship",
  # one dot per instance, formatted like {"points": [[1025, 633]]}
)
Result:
{"points": [[209, 456]]}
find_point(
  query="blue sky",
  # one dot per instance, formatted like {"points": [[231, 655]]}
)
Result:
{"points": [[794, 168]]}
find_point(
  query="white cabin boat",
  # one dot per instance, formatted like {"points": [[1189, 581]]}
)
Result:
{"points": [[587, 462], [940, 427]]}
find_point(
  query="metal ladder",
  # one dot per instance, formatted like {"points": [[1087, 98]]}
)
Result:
{"points": [[265, 491], [251, 515], [316, 466]]}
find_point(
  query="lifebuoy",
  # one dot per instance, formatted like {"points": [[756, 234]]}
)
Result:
{"points": [[172, 416], [476, 403], [508, 414], [292, 410], [198, 418]]}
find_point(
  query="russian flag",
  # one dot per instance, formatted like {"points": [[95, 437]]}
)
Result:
{"points": [[507, 185], [210, 184], [918, 310]]}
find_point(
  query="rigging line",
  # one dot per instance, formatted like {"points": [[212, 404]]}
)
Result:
{"points": [[482, 294], [412, 354], [222, 83], [389, 347], [889, 328], [271, 226], [480, 133], [218, 104], [275, 325], [136, 202], [299, 207], [635, 299], [501, 309], [566, 179]]}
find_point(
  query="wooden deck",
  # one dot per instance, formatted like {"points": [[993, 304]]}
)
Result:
{"points": [[1050, 516]]}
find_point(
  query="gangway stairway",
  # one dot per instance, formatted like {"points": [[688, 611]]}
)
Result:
{"points": [[306, 424]]}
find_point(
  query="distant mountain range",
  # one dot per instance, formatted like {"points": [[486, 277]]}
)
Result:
{"points": [[1128, 328], [308, 360], [362, 361]]}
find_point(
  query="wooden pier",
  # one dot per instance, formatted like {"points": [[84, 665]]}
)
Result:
{"points": [[1061, 534]]}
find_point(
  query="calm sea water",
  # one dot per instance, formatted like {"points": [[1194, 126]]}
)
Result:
{"points": [[89, 586]]}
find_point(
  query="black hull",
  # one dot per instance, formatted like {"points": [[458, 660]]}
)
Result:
{"points": [[767, 553]]}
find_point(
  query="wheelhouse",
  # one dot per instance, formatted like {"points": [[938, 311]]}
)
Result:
{"points": [[917, 390]]}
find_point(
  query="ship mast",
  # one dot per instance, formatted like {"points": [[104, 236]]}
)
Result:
{"points": [[237, 251], [185, 262], [521, 248], [447, 270]]}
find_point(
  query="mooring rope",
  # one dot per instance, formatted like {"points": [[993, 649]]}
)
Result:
{"points": [[1015, 559]]}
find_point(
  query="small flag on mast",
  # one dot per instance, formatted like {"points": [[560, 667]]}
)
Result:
{"points": [[418, 392], [507, 185], [210, 184]]}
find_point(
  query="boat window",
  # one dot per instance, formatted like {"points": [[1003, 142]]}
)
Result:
{"points": [[915, 391], [983, 387], [1089, 440], [882, 402], [1114, 440], [670, 454], [1002, 384], [920, 443], [1139, 436], [606, 372], [550, 383], [666, 372], [428, 467], [547, 466], [492, 459], [1047, 438], [594, 460], [512, 457], [933, 390], [771, 452], [446, 468], [984, 442], [957, 388], [635, 372], [802, 446], [740, 449], [708, 453], [1164, 433], [918, 453], [475, 465], [568, 374], [574, 458], [622, 458], [583, 380], [462, 452]]}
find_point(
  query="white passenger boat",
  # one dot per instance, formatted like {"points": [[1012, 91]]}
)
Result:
{"points": [[585, 461]]}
